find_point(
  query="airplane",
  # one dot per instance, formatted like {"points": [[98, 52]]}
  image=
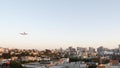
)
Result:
{"points": [[24, 33]]}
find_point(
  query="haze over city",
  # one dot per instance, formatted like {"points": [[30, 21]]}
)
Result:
{"points": [[59, 23]]}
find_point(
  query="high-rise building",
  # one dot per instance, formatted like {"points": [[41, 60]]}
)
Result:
{"points": [[100, 50], [119, 47], [91, 49]]}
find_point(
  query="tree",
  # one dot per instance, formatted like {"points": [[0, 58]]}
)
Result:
{"points": [[6, 55], [14, 64]]}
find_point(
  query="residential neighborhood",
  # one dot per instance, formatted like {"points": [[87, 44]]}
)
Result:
{"points": [[62, 57]]}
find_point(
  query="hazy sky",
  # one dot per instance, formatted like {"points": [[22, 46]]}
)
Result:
{"points": [[59, 23]]}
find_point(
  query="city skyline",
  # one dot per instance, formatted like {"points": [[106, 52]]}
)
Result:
{"points": [[59, 23]]}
